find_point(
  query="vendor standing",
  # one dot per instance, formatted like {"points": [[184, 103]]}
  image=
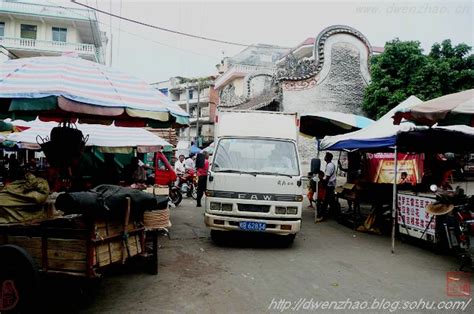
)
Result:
{"points": [[135, 172], [202, 179], [109, 173]]}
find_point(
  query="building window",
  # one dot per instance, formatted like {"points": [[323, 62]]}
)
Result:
{"points": [[28, 31], [190, 94], [59, 34], [2, 29], [164, 91]]}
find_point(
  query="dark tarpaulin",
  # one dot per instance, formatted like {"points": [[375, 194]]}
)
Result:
{"points": [[435, 140], [107, 199]]}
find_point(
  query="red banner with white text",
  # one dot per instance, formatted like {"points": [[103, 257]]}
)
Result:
{"points": [[380, 168]]}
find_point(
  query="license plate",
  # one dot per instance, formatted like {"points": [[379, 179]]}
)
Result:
{"points": [[252, 226]]}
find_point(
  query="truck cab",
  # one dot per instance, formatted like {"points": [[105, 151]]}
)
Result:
{"points": [[254, 183]]}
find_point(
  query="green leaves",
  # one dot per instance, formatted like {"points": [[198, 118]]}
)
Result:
{"points": [[403, 70]]}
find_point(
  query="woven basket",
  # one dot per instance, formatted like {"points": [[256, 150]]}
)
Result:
{"points": [[157, 219]]}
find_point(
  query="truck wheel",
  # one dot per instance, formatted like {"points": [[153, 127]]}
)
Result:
{"points": [[217, 237], [19, 280], [288, 240]]}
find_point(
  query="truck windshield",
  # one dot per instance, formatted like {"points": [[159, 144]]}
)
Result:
{"points": [[256, 156]]}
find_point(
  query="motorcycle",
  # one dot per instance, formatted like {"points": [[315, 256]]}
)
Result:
{"points": [[455, 224], [175, 195], [187, 184], [465, 218]]}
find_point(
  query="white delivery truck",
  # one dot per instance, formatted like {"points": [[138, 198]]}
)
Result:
{"points": [[254, 182]]}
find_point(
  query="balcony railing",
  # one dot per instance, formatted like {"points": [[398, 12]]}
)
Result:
{"points": [[46, 10], [55, 46], [202, 100]]}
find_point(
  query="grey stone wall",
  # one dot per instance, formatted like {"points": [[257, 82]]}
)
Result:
{"points": [[342, 89]]}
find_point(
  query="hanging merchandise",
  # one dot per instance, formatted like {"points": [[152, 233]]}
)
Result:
{"points": [[64, 147]]}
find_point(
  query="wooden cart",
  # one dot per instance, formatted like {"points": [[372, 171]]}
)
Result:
{"points": [[70, 245]]}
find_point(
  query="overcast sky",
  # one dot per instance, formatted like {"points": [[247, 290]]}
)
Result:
{"points": [[156, 55]]}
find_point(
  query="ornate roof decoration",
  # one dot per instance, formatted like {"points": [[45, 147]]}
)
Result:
{"points": [[293, 69], [297, 69], [299, 85], [228, 98]]}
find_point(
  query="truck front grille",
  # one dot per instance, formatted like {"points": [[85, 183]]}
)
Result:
{"points": [[253, 208]]}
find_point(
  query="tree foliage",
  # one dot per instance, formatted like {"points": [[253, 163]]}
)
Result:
{"points": [[403, 70]]}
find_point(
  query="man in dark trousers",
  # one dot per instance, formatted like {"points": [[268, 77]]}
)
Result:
{"points": [[330, 182], [202, 170]]}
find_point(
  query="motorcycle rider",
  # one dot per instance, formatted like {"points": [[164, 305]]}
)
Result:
{"points": [[179, 167], [185, 170], [190, 163]]}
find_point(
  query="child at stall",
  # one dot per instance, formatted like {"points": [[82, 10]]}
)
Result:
{"points": [[321, 195], [311, 188]]}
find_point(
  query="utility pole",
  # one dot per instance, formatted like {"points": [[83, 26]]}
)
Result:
{"points": [[188, 135], [197, 110], [111, 47]]}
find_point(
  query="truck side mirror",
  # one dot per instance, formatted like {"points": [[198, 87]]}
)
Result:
{"points": [[315, 165]]}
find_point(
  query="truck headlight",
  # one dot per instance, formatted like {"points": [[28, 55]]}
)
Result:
{"points": [[299, 198], [292, 210], [215, 206], [226, 207], [280, 210]]}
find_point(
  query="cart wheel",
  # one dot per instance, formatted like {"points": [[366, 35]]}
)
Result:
{"points": [[19, 279], [151, 261], [152, 264]]}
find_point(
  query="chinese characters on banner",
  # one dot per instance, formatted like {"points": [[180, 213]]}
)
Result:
{"points": [[413, 213], [380, 168]]}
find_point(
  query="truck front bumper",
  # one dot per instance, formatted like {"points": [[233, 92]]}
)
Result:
{"points": [[228, 223]]}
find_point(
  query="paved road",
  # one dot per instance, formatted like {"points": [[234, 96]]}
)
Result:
{"points": [[327, 262]]}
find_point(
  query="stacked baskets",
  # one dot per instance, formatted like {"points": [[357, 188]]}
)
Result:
{"points": [[157, 219]]}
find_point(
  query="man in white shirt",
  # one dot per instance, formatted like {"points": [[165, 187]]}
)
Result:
{"points": [[189, 162], [179, 166], [330, 182]]}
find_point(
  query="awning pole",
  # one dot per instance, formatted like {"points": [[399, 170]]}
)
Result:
{"points": [[394, 199], [317, 147]]}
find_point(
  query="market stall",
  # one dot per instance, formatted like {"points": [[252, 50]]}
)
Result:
{"points": [[77, 233], [400, 141], [373, 147]]}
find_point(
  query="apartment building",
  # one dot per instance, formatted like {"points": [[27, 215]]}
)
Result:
{"points": [[198, 97], [41, 28]]}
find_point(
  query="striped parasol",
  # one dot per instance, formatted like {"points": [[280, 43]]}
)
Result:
{"points": [[326, 123], [69, 87], [451, 109]]}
